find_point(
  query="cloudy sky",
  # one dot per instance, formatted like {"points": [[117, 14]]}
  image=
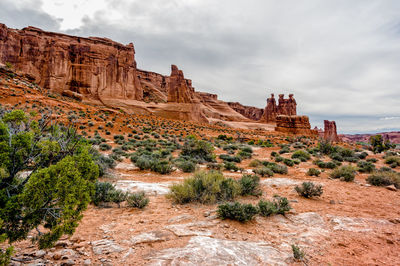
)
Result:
{"points": [[340, 58]]}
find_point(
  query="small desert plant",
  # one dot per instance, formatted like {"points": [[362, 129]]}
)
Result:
{"points": [[393, 161], [137, 200], [365, 167], [384, 178], [278, 169], [279, 205], [205, 187], [313, 172], [345, 173], [263, 171], [309, 190], [302, 155], [298, 254], [237, 211], [231, 166], [250, 185]]}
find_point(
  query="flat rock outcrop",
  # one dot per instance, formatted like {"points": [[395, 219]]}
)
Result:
{"points": [[250, 112], [294, 124], [330, 132], [93, 67]]}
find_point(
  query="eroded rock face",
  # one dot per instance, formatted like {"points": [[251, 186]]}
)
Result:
{"points": [[180, 89], [155, 86], [294, 124], [250, 112], [284, 107], [330, 132], [91, 67]]}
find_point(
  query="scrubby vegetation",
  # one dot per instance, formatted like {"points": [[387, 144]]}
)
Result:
{"points": [[309, 190], [279, 205], [384, 178], [237, 211], [345, 173]]}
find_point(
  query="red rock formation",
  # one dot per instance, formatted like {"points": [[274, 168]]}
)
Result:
{"points": [[180, 89], [284, 107], [250, 112], [155, 86], [330, 132], [294, 124], [270, 111], [92, 67]]}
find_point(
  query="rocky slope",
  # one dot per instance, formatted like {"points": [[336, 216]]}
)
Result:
{"points": [[394, 137]]}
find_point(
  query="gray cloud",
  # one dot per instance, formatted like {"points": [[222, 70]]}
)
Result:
{"points": [[340, 58], [26, 13]]}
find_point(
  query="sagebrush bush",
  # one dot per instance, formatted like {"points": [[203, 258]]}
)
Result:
{"points": [[302, 155], [278, 168], [313, 172], [309, 190], [384, 178], [255, 163], [237, 211], [205, 187], [393, 161], [263, 171], [288, 162], [199, 150], [231, 166], [250, 185], [106, 192], [345, 173], [186, 166], [279, 205], [365, 167], [137, 200]]}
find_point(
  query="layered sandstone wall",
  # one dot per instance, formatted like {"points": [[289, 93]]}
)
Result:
{"points": [[250, 112], [294, 124], [92, 67]]}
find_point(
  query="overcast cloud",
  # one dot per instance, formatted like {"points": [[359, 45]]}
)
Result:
{"points": [[340, 58]]}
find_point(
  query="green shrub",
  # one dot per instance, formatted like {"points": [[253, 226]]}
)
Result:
{"points": [[199, 150], [309, 190], [255, 163], [365, 167], [186, 166], [278, 168], [105, 147], [214, 166], [313, 172], [345, 173], [263, 171], [298, 254], [288, 162], [279, 205], [162, 167], [250, 185], [229, 158], [384, 178], [231, 166], [205, 187], [237, 211], [393, 161], [302, 155], [137, 200], [106, 192]]}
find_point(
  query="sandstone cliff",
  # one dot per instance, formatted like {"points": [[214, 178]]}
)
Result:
{"points": [[92, 67], [250, 112], [294, 124]]}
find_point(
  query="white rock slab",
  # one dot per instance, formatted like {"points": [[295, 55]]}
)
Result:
{"points": [[148, 188], [202, 250]]}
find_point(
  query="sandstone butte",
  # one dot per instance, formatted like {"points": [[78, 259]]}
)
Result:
{"points": [[103, 72]]}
